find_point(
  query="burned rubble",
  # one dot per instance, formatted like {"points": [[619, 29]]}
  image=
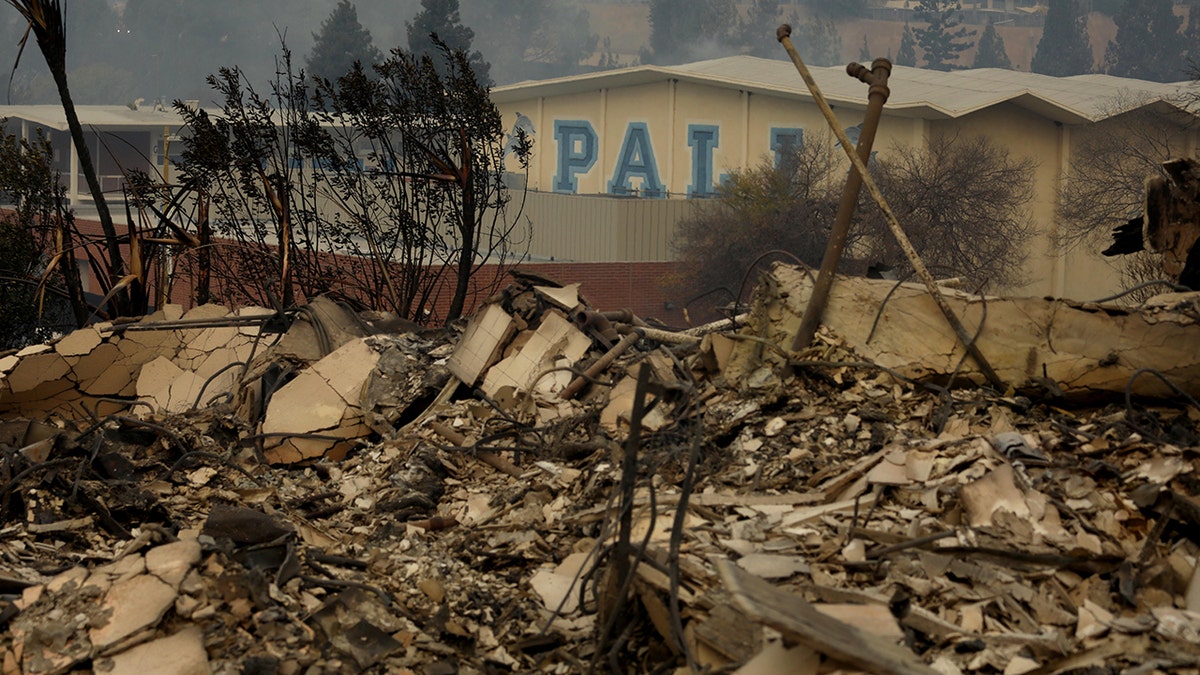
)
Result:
{"points": [[553, 488]]}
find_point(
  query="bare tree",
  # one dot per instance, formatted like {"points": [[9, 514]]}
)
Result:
{"points": [[380, 189], [964, 203], [48, 25], [772, 211], [1110, 161]]}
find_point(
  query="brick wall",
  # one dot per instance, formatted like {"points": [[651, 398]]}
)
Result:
{"points": [[638, 286]]}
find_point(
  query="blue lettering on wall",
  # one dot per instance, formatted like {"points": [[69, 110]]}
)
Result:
{"points": [[576, 152], [853, 134], [702, 138], [637, 159], [785, 141]]}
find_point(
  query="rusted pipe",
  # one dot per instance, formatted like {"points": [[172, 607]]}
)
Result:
{"points": [[486, 456], [624, 316], [877, 78], [721, 324], [596, 323], [784, 36], [669, 337], [601, 363]]}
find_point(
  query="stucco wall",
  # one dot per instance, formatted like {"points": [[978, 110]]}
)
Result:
{"points": [[664, 115]]}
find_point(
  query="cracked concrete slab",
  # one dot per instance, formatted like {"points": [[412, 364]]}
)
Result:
{"points": [[132, 605], [171, 562], [326, 399], [1082, 349], [554, 338], [79, 342], [36, 369], [179, 654], [488, 330]]}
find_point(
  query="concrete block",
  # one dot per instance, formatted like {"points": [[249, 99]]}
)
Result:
{"points": [[33, 370], [78, 343]]}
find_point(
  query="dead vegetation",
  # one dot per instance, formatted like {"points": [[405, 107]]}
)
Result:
{"points": [[556, 489]]}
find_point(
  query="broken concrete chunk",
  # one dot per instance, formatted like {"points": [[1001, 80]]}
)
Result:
{"points": [[37, 369], [75, 575], [995, 492], [297, 449], [566, 297], [487, 332], [171, 562], [169, 312], [132, 605], [347, 369], [124, 568], [88, 367], [179, 654], [555, 338], [79, 342], [306, 404], [302, 342], [33, 349], [154, 381], [1082, 351], [118, 379]]}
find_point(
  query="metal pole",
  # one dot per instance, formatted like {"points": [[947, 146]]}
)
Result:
{"points": [[877, 95], [783, 34]]}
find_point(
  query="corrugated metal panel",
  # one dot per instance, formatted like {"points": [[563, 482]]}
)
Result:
{"points": [[589, 228]]}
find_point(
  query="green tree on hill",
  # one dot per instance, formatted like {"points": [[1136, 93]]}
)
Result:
{"points": [[944, 38], [907, 54], [1148, 44], [531, 39], [756, 33], [441, 18], [341, 41], [1064, 48], [683, 30], [818, 41], [991, 53]]}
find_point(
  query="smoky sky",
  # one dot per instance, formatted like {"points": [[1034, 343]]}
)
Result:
{"points": [[162, 50]]}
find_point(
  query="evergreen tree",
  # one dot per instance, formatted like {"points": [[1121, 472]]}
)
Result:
{"points": [[1064, 48], [907, 55], [681, 30], [756, 33], [818, 41], [864, 52], [531, 39], [1148, 45], [991, 53], [341, 41], [837, 8], [944, 38], [441, 18], [1191, 36]]}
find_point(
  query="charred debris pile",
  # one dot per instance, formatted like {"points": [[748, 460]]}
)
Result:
{"points": [[556, 489]]}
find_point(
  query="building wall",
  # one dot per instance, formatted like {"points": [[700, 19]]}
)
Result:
{"points": [[663, 120], [592, 228]]}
